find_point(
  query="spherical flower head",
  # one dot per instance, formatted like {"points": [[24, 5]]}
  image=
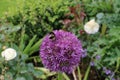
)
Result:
{"points": [[61, 51], [9, 54], [91, 27]]}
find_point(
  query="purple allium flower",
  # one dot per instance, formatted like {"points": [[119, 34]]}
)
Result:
{"points": [[61, 51]]}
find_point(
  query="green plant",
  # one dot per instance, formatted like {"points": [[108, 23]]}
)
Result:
{"points": [[93, 7], [102, 47], [41, 17], [18, 69], [108, 49], [9, 34]]}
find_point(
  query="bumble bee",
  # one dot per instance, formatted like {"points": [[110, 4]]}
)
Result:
{"points": [[52, 36]]}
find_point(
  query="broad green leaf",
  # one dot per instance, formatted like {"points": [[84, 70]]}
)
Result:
{"points": [[37, 73], [28, 76], [30, 67], [23, 69]]}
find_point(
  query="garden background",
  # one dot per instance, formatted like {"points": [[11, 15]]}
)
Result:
{"points": [[24, 24]]}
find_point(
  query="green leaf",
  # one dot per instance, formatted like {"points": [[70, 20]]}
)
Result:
{"points": [[30, 67], [59, 77], [8, 76], [37, 73], [27, 49], [110, 60], [20, 78], [24, 57], [22, 44], [117, 51], [65, 76], [100, 15], [35, 47], [87, 73], [23, 69], [28, 76]]}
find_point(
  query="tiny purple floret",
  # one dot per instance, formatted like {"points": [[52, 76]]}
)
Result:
{"points": [[107, 71], [92, 63], [85, 53], [98, 57]]}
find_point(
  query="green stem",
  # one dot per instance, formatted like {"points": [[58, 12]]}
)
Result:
{"points": [[87, 73], [59, 77], [65, 76], [117, 66], [30, 58], [79, 74], [89, 38]]}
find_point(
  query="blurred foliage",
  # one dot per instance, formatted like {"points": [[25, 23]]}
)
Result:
{"points": [[40, 16], [6, 5], [106, 42], [108, 47], [95, 7], [21, 69], [9, 34]]}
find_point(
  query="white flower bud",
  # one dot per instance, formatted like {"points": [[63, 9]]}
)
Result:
{"points": [[9, 54], [91, 27]]}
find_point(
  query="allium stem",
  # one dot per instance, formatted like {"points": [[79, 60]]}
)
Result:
{"points": [[75, 78], [65, 76], [79, 74], [59, 76], [87, 73]]}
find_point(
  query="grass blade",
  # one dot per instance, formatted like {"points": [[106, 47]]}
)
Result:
{"points": [[87, 73], [35, 47], [26, 50]]}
